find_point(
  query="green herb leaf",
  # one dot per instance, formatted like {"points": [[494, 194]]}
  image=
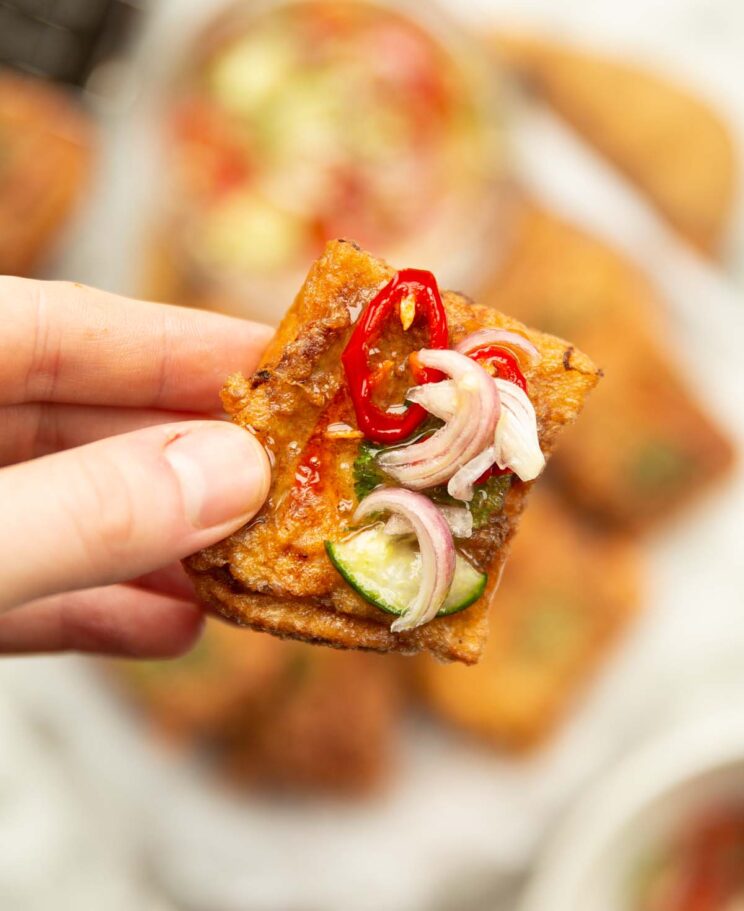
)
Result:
{"points": [[367, 473], [489, 498]]}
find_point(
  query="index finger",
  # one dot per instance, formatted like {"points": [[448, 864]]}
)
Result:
{"points": [[64, 342]]}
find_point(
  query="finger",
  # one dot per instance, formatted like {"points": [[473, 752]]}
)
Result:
{"points": [[118, 620], [65, 342], [124, 506], [40, 428], [170, 580]]}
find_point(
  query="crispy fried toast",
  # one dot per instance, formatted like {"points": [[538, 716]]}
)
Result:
{"points": [[274, 574], [670, 143]]}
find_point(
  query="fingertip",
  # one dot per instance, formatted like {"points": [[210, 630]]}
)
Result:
{"points": [[223, 474], [136, 626], [263, 472], [115, 509], [171, 629]]}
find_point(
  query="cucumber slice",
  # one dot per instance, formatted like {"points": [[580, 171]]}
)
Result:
{"points": [[386, 571]]}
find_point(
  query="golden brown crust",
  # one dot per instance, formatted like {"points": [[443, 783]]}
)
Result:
{"points": [[671, 144], [548, 631], [461, 639], [274, 574]]}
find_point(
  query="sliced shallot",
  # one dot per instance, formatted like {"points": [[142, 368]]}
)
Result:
{"points": [[439, 399], [471, 426], [517, 444], [435, 545], [462, 483], [485, 337], [458, 518]]}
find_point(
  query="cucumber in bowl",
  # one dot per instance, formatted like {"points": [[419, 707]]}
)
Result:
{"points": [[386, 571]]}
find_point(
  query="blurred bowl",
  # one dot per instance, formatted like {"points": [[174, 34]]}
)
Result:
{"points": [[296, 121], [594, 858]]}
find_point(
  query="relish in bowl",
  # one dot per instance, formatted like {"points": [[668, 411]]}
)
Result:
{"points": [[298, 122]]}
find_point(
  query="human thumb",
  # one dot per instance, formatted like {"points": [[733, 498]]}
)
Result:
{"points": [[121, 507]]}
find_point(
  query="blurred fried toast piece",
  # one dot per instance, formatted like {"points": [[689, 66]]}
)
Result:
{"points": [[274, 574], [671, 144], [195, 698], [548, 631], [645, 447], [329, 726], [45, 157], [273, 713]]}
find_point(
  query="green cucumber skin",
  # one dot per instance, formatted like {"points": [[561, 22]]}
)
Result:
{"points": [[389, 609]]}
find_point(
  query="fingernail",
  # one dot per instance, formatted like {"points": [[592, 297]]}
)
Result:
{"points": [[223, 474]]}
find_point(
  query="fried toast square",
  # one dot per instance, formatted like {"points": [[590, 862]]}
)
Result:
{"points": [[676, 149], [269, 713], [274, 574], [329, 727]]}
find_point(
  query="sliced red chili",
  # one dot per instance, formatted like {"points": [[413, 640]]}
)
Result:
{"points": [[377, 424], [504, 364], [206, 134], [492, 472]]}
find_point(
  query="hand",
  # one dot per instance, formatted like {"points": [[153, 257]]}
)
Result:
{"points": [[112, 466]]}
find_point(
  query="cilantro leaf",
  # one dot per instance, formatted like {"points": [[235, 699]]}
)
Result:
{"points": [[367, 473], [489, 498]]}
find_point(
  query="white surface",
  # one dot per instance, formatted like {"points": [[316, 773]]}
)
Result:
{"points": [[458, 819], [50, 854]]}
